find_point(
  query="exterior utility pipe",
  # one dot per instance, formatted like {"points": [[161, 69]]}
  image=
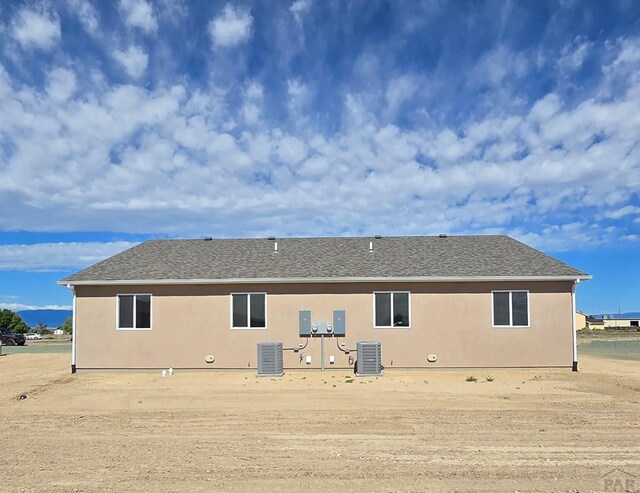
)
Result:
{"points": [[574, 334], [73, 329]]}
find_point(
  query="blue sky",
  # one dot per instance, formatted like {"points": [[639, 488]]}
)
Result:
{"points": [[127, 120]]}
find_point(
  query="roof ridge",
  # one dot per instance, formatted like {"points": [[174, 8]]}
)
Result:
{"points": [[331, 258]]}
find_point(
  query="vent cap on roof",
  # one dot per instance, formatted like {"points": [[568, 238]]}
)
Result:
{"points": [[378, 237], [271, 238], [443, 235], [208, 238]]}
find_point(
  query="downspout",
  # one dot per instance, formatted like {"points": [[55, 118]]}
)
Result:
{"points": [[573, 332], [73, 330]]}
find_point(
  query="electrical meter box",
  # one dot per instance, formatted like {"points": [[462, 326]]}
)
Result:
{"points": [[322, 329], [307, 328]]}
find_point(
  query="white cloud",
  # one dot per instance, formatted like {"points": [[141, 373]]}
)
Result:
{"points": [[299, 8], [182, 160], [173, 10], [573, 56], [15, 307], [57, 256], [232, 27], [629, 53], [545, 108], [61, 84], [87, 14], [497, 65], [399, 90], [36, 28], [623, 211], [254, 91], [139, 14], [291, 150], [251, 110], [299, 97], [134, 60], [251, 113]]}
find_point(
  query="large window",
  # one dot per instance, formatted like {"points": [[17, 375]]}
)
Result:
{"points": [[392, 309], [248, 311], [510, 308], [134, 311]]}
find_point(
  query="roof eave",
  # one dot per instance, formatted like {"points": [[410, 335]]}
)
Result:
{"points": [[308, 280]]}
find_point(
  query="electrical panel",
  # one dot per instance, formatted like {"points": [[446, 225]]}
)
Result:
{"points": [[339, 323], [305, 322]]}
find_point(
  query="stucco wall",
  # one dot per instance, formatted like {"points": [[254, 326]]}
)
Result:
{"points": [[451, 320]]}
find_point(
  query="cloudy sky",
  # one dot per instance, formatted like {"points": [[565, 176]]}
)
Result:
{"points": [[130, 119]]}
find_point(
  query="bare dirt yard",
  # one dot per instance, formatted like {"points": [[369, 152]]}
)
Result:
{"points": [[527, 430]]}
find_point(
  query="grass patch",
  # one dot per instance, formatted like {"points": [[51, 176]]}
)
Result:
{"points": [[471, 379]]}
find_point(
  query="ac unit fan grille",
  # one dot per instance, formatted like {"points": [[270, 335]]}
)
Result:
{"points": [[369, 358], [270, 361]]}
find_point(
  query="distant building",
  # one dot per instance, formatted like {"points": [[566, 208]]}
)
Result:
{"points": [[581, 321], [58, 332], [621, 322], [595, 323]]}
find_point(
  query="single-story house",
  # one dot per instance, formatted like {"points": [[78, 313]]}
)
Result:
{"points": [[430, 301], [581, 321], [595, 323]]}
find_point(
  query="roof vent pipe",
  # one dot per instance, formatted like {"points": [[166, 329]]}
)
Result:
{"points": [[371, 247], [275, 247]]}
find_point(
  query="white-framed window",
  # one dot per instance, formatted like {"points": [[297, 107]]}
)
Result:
{"points": [[248, 310], [510, 308], [134, 312], [391, 309]]}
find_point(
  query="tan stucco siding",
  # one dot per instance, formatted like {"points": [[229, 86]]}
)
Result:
{"points": [[451, 320]]}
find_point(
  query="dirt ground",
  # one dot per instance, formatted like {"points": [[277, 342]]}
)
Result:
{"points": [[527, 430]]}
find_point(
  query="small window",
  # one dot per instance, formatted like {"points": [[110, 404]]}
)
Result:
{"points": [[634, 323], [248, 311], [134, 311], [392, 309], [510, 308]]}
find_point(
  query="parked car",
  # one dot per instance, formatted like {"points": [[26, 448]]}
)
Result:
{"points": [[9, 338], [33, 337]]}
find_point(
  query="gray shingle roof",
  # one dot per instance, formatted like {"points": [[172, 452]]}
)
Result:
{"points": [[326, 258]]}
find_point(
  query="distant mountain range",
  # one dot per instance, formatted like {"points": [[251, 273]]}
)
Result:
{"points": [[51, 318], [617, 315]]}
